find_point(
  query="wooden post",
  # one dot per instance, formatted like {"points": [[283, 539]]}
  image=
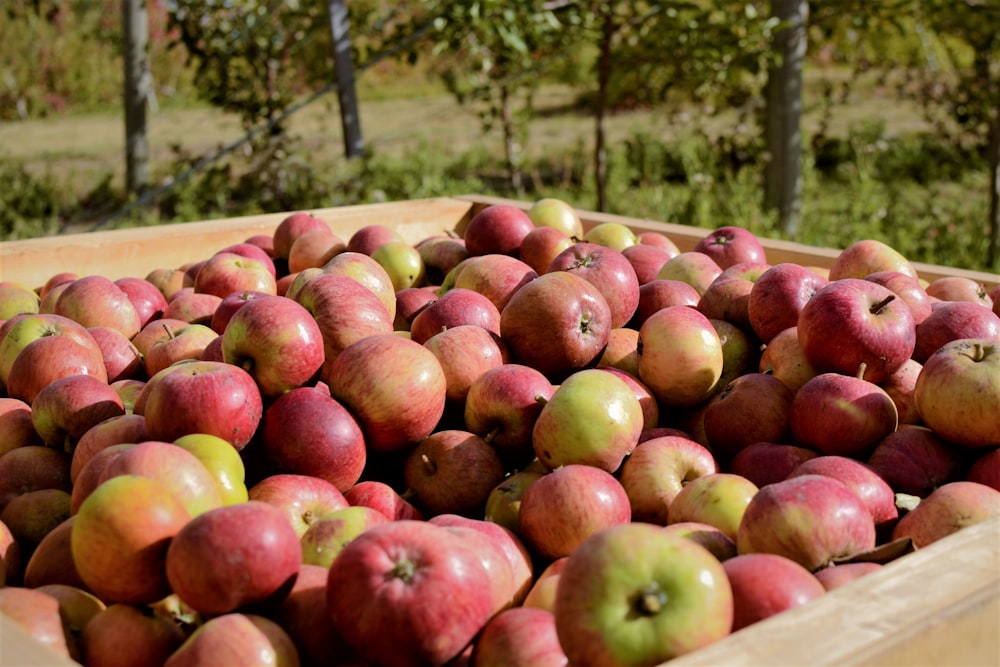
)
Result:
{"points": [[351, 123], [135, 29], [783, 175]]}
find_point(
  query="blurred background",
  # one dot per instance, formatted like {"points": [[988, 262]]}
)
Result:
{"points": [[821, 122]]}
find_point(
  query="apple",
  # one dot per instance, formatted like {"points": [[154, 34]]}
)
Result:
{"points": [[731, 244], [395, 387], [409, 302], [566, 506], [647, 260], [122, 428], [952, 320], [717, 499], [592, 418], [656, 471], [368, 238], [914, 460], [557, 213], [753, 407], [290, 228], [503, 504], [402, 262], [193, 307], [860, 478], [262, 558], [129, 390], [502, 405], [768, 462], [440, 254], [302, 498], [226, 272], [228, 307], [811, 519], [660, 293], [727, 299], [783, 358], [452, 471], [718, 543], [465, 352], [56, 279], [766, 584], [329, 533], [622, 351], [844, 573], [958, 390], [415, 582], [900, 387], [12, 560], [959, 288], [253, 251], [313, 249], [634, 594], [499, 229], [236, 639], [908, 288], [658, 239], [97, 301], [77, 608], [381, 497], [948, 509], [155, 331], [32, 515], [16, 429], [303, 615], [222, 461], [48, 303], [608, 270], [558, 323], [455, 307], [867, 256], [147, 299], [369, 273], [680, 356], [495, 276], [521, 636], [985, 469], [30, 468], [840, 414], [121, 357], [873, 325], [778, 297], [52, 560], [542, 594], [16, 298], [66, 408], [186, 342], [692, 267], [126, 635], [612, 234], [38, 615], [542, 245], [168, 280], [92, 473], [120, 537], [345, 311]]}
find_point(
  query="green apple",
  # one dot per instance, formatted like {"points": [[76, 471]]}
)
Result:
{"points": [[634, 594], [402, 262], [615, 235], [222, 461], [503, 505], [552, 212], [16, 299], [593, 418], [327, 535], [718, 499]]}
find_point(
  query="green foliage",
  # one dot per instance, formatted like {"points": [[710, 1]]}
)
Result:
{"points": [[29, 205]]}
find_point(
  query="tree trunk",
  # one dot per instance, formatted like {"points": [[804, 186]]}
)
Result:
{"points": [[783, 174], [135, 30], [603, 78], [512, 147], [350, 122]]}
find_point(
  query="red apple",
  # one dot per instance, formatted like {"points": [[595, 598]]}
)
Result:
{"points": [[692, 267], [147, 299], [948, 509], [30, 468], [52, 560], [313, 249], [914, 460], [541, 245], [290, 228], [860, 478], [440, 254], [717, 499], [495, 276], [608, 270], [226, 272], [455, 307], [302, 498], [186, 342], [768, 462], [658, 294], [236, 639], [754, 407], [499, 229], [452, 471], [721, 545], [647, 260], [731, 244], [908, 288], [656, 471], [122, 360], [680, 357], [168, 280], [193, 307], [900, 387], [519, 637], [303, 615], [952, 320], [986, 469], [465, 352], [778, 296], [369, 273], [97, 301], [844, 573], [959, 288], [409, 302], [381, 497], [129, 635], [228, 307], [868, 256], [65, 409], [766, 584], [38, 615], [16, 429], [125, 428]]}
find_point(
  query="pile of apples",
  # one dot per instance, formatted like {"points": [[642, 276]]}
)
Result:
{"points": [[513, 443]]}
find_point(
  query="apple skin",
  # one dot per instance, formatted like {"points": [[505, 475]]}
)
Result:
{"points": [[305, 431], [959, 288], [754, 407], [383, 498], [313, 249], [842, 415], [622, 352], [121, 357], [727, 299], [31, 468], [65, 409], [656, 471], [192, 307], [557, 213], [303, 615], [409, 302], [456, 307], [402, 262], [542, 594], [452, 471], [202, 397], [495, 276], [558, 323], [129, 635], [125, 428], [542, 245], [302, 498], [253, 251], [566, 506], [236, 639], [16, 429], [867, 256], [327, 535], [811, 519], [503, 505], [612, 234], [263, 555], [718, 499], [647, 260], [368, 238], [395, 387], [465, 352], [52, 560], [731, 244], [986, 469], [712, 538], [783, 358], [778, 297], [900, 387], [440, 254], [874, 491], [908, 288], [97, 301], [368, 272], [147, 299], [168, 280], [592, 418], [874, 326], [692, 267], [952, 320], [120, 537], [17, 298], [38, 615], [948, 509], [660, 293], [844, 573], [33, 515], [415, 582], [519, 637], [277, 341], [914, 460], [608, 270], [226, 272], [766, 584], [228, 307], [634, 594], [12, 562], [680, 356], [51, 358], [958, 390], [290, 228], [768, 462], [502, 405], [189, 341], [499, 229]]}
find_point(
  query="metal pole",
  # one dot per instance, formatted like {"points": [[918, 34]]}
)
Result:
{"points": [[135, 28], [351, 123]]}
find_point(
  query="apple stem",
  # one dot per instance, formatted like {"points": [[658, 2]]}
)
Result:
{"points": [[976, 352], [489, 437], [404, 569], [651, 599], [862, 367], [541, 399], [877, 308], [429, 466], [170, 331]]}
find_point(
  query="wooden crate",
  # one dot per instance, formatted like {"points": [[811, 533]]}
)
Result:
{"points": [[938, 606]]}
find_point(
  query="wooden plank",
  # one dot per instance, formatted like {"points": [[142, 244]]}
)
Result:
{"points": [[19, 649]]}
